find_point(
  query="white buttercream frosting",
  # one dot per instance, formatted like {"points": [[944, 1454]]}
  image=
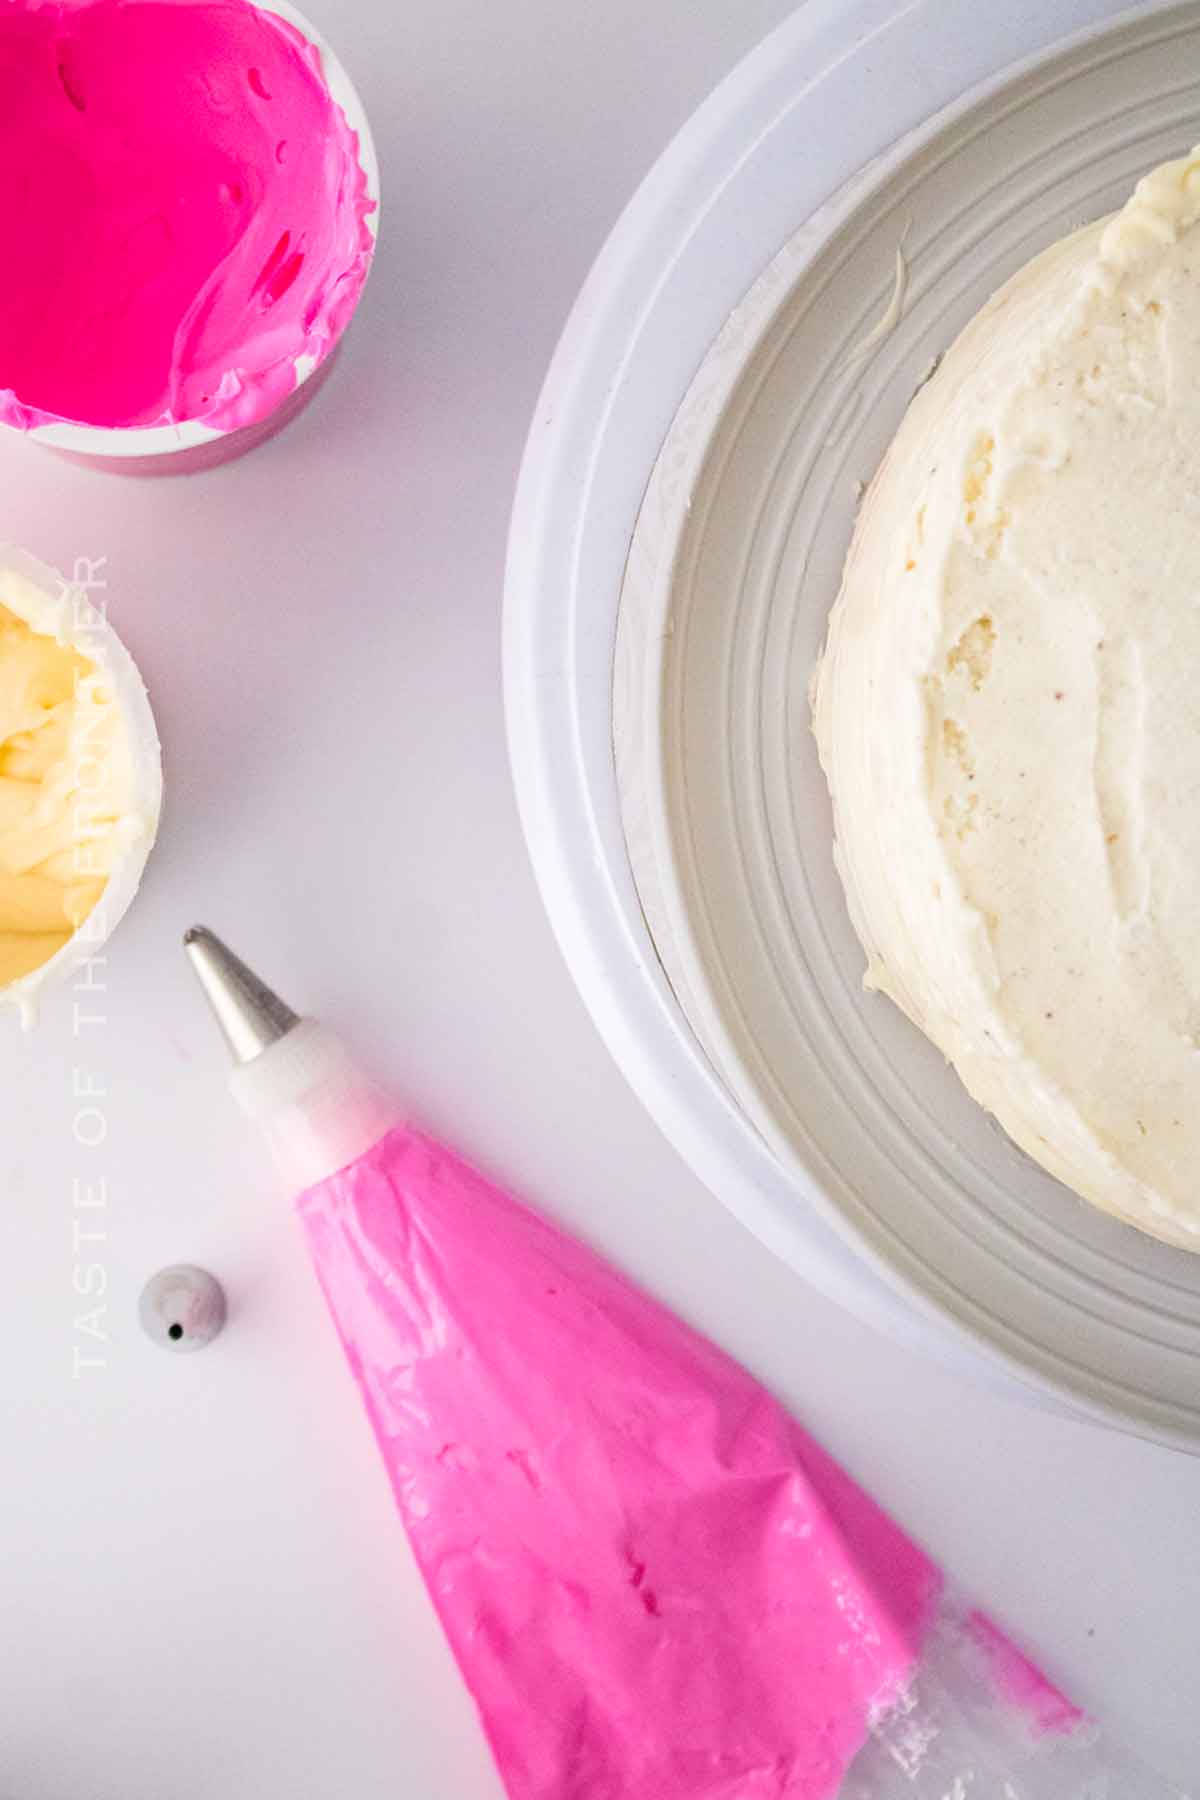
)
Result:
{"points": [[1008, 709]]}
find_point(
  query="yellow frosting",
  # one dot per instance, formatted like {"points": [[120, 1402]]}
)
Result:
{"points": [[65, 783]]}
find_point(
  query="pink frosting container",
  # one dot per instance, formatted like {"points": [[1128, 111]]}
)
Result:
{"points": [[189, 209]]}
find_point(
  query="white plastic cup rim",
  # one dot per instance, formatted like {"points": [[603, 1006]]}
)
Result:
{"points": [[116, 443]]}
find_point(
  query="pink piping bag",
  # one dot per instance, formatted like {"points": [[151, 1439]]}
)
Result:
{"points": [[657, 1586]]}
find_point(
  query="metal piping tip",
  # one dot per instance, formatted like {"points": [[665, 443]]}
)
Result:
{"points": [[251, 1017]]}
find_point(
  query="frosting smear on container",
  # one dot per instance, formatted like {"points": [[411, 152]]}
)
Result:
{"points": [[183, 212]]}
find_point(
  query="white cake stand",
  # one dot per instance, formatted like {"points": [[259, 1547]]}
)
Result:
{"points": [[685, 504]]}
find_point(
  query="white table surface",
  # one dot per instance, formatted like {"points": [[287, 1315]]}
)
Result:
{"points": [[206, 1593]]}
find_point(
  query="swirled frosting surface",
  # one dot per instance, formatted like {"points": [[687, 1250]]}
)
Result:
{"points": [[183, 211], [1006, 709]]}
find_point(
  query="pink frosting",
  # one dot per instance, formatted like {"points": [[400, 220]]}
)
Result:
{"points": [[183, 212], [657, 1585], [1045, 1708]]}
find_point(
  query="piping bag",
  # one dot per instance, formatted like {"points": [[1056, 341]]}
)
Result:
{"points": [[656, 1584]]}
